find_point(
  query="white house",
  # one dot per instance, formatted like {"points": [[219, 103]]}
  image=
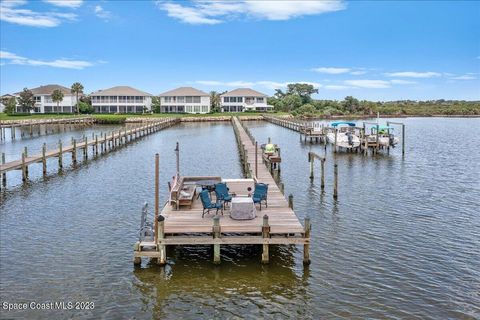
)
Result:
{"points": [[44, 103], [244, 99], [121, 99], [185, 100], [2, 99]]}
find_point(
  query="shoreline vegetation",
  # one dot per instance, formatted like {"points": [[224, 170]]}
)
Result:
{"points": [[122, 118], [295, 102]]}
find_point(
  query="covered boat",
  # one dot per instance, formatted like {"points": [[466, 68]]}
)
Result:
{"points": [[346, 137], [386, 136]]}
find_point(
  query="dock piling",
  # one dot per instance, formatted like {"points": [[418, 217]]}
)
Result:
{"points": [[322, 184], [4, 174], [44, 160], [60, 155], [290, 201], [216, 235], [306, 246], [310, 159], [335, 181], [265, 235], [162, 249]]}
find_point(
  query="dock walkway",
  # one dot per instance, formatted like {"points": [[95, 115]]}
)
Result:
{"points": [[275, 224]]}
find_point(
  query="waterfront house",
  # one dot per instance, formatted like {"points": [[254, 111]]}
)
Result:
{"points": [[185, 100], [44, 103], [244, 99], [3, 98], [121, 99]]}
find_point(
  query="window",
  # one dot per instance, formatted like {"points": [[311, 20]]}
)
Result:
{"points": [[167, 99], [196, 99], [239, 99], [226, 99], [139, 109], [197, 109], [260, 100], [188, 109], [188, 99], [204, 108], [37, 99], [48, 109], [181, 99]]}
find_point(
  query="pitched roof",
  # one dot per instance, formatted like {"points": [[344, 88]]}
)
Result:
{"points": [[184, 91], [48, 89], [243, 92], [120, 91]]}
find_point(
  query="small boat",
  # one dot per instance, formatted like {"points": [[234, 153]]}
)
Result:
{"points": [[386, 137], [346, 137]]}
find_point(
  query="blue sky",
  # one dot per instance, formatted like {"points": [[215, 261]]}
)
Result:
{"points": [[374, 50]]}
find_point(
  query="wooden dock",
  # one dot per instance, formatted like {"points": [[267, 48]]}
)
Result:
{"points": [[276, 224], [105, 143], [35, 126], [318, 133]]}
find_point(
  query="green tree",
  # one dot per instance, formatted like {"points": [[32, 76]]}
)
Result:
{"points": [[350, 104], [84, 107], [303, 90], [57, 96], [156, 107], [10, 103], [215, 101], [291, 102], [26, 101], [77, 89]]}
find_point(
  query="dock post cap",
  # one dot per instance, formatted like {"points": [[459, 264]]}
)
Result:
{"points": [[160, 218]]}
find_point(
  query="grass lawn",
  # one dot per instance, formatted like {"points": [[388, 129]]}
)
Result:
{"points": [[4, 116]]}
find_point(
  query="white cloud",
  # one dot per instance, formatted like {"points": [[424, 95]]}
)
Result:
{"points": [[464, 77], [331, 70], [10, 12], [337, 70], [65, 3], [214, 12], [337, 87], [358, 73], [369, 84], [399, 81], [264, 83], [413, 74], [102, 13], [187, 14], [12, 58]]}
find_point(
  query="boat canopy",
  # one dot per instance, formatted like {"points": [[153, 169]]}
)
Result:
{"points": [[335, 124], [383, 128]]}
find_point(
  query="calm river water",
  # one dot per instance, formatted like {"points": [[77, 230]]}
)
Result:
{"points": [[402, 241]]}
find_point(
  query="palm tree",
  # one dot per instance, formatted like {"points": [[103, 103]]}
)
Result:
{"points": [[77, 89], [57, 96], [214, 101]]}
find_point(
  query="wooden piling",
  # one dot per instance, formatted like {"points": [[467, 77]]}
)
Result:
{"points": [[265, 235], [160, 233], [311, 159], [306, 246], [335, 181], [322, 183], [44, 160], [290, 201], [157, 184], [403, 139], [335, 146], [60, 155], [216, 235], [74, 152], [4, 174], [24, 170]]}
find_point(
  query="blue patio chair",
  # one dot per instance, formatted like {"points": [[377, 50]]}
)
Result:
{"points": [[221, 191], [208, 204], [260, 194]]}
